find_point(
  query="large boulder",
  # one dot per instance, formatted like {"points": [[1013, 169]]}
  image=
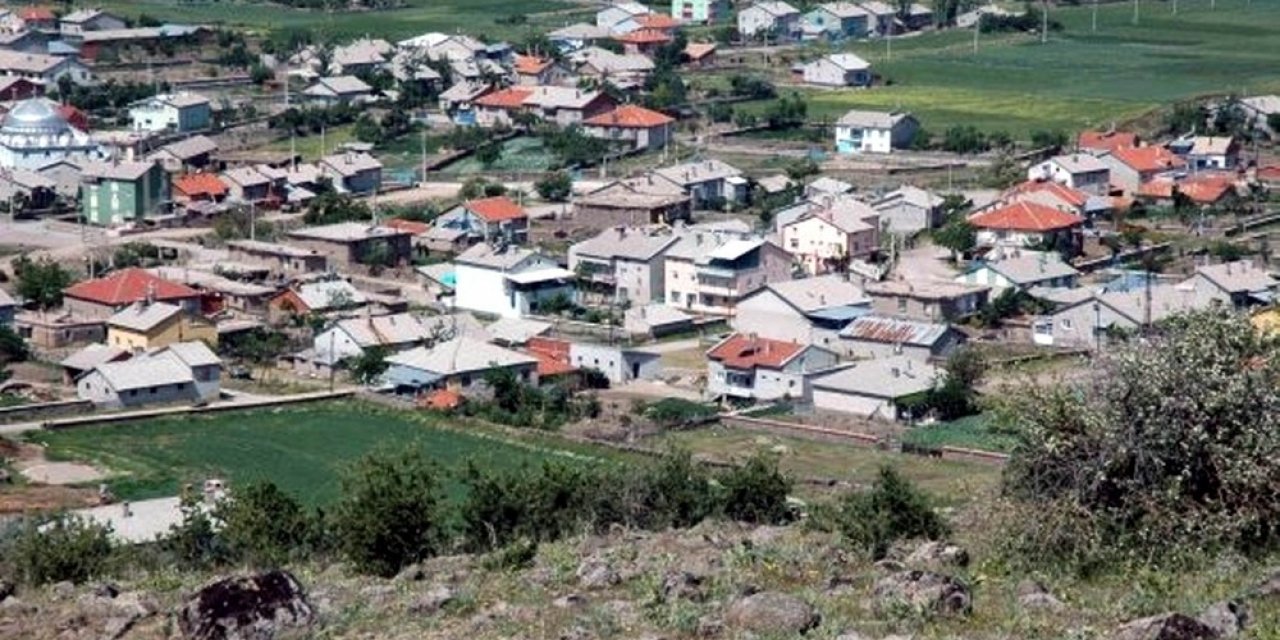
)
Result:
{"points": [[1034, 596], [1168, 626], [923, 591], [1228, 618], [254, 607], [771, 612], [939, 554], [596, 573]]}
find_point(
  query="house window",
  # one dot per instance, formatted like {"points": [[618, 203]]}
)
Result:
{"points": [[1066, 323], [133, 393], [466, 380], [902, 304], [153, 390]]}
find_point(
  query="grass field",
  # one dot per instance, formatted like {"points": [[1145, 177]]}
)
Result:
{"points": [[1080, 78], [474, 17], [973, 432], [302, 449]]}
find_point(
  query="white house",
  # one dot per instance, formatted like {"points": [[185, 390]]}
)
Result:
{"points": [[775, 20], [179, 112], [621, 18], [618, 364], [707, 181], [1213, 152], [508, 281], [625, 263], [838, 70], [1080, 171], [806, 311], [827, 236], [350, 337], [909, 209], [185, 372], [46, 69], [338, 90], [873, 388], [746, 367], [875, 131]]}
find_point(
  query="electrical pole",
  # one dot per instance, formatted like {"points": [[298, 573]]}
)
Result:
{"points": [[1135, 11], [1095, 16], [1044, 22], [977, 29]]}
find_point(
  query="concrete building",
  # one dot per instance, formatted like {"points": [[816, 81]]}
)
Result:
{"points": [[745, 367], [358, 173], [338, 90], [929, 300], [772, 20], [311, 298], [642, 128], [908, 210], [182, 373], [875, 336], [624, 264], [874, 131], [873, 388], [835, 21], [701, 11], [1080, 171], [1087, 322], [280, 258], [1026, 225], [1022, 273], [35, 135], [837, 70], [633, 202], [1240, 284], [48, 70], [177, 112], [80, 22], [348, 244], [709, 272], [496, 219], [58, 330], [143, 326], [1132, 166], [655, 320], [621, 17], [102, 298], [828, 236], [508, 281], [351, 337], [459, 365], [707, 182], [121, 192], [804, 311], [620, 365]]}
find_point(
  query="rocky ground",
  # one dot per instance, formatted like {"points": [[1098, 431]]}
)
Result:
{"points": [[714, 581]]}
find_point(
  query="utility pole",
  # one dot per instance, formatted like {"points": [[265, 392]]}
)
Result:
{"points": [[1095, 16], [888, 44], [332, 364], [1135, 11], [1044, 22], [424, 155], [253, 221], [977, 29]]}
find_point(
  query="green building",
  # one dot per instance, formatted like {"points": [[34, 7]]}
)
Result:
{"points": [[114, 193], [700, 11]]}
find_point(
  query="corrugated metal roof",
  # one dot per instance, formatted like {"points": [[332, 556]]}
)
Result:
{"points": [[875, 328]]}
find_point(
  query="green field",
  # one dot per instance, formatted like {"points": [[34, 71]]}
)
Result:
{"points": [[518, 154], [302, 449], [474, 17], [973, 432], [1080, 78]]}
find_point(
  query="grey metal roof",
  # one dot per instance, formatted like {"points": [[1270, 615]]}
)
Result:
{"points": [[890, 377], [91, 356], [190, 147], [350, 164], [1025, 270], [322, 295], [516, 331], [495, 257], [391, 330], [820, 292], [463, 354], [1241, 276], [625, 243], [872, 119], [143, 372], [193, 353], [123, 171], [691, 173], [346, 232], [142, 316]]}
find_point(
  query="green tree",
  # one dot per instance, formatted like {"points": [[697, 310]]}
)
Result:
{"points": [[41, 282], [892, 510], [957, 235], [489, 154], [756, 491], [262, 525], [259, 74], [390, 513], [369, 365], [12, 347], [194, 542], [66, 548], [555, 187]]}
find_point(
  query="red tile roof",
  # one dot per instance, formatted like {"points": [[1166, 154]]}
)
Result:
{"points": [[552, 355], [199, 184], [512, 98], [645, 36], [630, 116], [742, 351], [1270, 173], [127, 286], [496, 209], [442, 399], [532, 65], [699, 50], [37, 14], [74, 117], [411, 226], [1148, 159], [1026, 216], [1107, 140], [657, 21], [1201, 189], [1073, 197]]}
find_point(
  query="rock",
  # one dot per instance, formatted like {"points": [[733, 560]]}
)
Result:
{"points": [[765, 535], [569, 601], [118, 626], [377, 595], [1033, 595], [135, 603], [682, 585], [435, 599], [1228, 618], [64, 590], [411, 573], [892, 566], [16, 606], [923, 591], [252, 607], [709, 627], [6, 589], [595, 573], [771, 612], [577, 633], [937, 553], [1269, 587], [851, 635], [106, 590], [1169, 626]]}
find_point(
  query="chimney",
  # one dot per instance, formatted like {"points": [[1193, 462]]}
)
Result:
{"points": [[897, 373]]}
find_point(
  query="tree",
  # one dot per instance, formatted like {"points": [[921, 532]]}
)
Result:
{"points": [[489, 154], [893, 509], [41, 282], [390, 513], [332, 208], [556, 187], [259, 74], [12, 347], [194, 542], [262, 525], [66, 548], [957, 235], [757, 492], [957, 396], [1169, 450], [369, 365]]}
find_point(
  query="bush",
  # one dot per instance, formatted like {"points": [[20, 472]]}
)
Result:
{"points": [[68, 548], [390, 512], [556, 187], [756, 492], [892, 510], [1168, 451], [193, 542], [671, 412], [263, 525]]}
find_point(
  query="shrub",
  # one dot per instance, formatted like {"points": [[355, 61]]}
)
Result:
{"points": [[193, 542], [539, 506], [756, 492], [390, 512], [66, 548], [892, 510], [671, 412], [263, 525], [556, 187]]}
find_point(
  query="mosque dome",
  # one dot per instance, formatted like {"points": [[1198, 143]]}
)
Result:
{"points": [[35, 117]]}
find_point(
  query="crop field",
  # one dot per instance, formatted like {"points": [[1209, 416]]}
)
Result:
{"points": [[302, 449], [474, 17], [1080, 78], [518, 154]]}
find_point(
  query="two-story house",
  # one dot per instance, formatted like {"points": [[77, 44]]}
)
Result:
{"points": [[508, 281], [836, 21], [748, 367], [772, 19], [185, 372], [347, 244], [931, 300], [1240, 284], [621, 17], [623, 263], [351, 172], [113, 193], [177, 112], [495, 219], [102, 298], [909, 209], [149, 325], [1079, 171], [874, 131], [643, 128], [701, 11], [1133, 166], [807, 310], [459, 365], [709, 272], [1023, 225], [826, 238], [708, 182]]}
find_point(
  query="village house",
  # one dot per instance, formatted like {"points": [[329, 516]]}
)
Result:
{"points": [[495, 219], [827, 237], [909, 210], [599, 65], [882, 17], [835, 21], [176, 112], [184, 155], [874, 131], [248, 185], [88, 357], [1240, 284], [1057, 196], [873, 388], [709, 272], [837, 70], [517, 332], [14, 88], [38, 18], [643, 128], [1022, 225], [564, 106], [574, 37], [219, 294], [47, 70], [458, 101], [1213, 152], [772, 20], [1203, 189], [747, 367], [806, 311], [621, 17], [700, 55], [349, 244], [142, 326], [1099, 142], [655, 320], [198, 187], [361, 57], [1088, 322], [279, 258], [8, 308], [619, 365], [701, 11], [508, 281], [930, 300], [708, 182], [83, 21], [877, 336], [315, 298], [1079, 171], [27, 190], [186, 372], [638, 201], [1022, 273], [532, 71], [1130, 167], [351, 337], [623, 264], [338, 90], [643, 41], [459, 365], [58, 329], [352, 172], [114, 193], [103, 297]]}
